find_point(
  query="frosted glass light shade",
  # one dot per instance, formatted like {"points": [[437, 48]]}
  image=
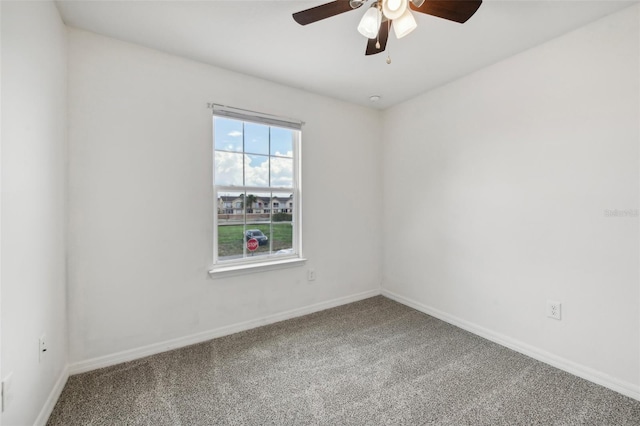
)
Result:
{"points": [[370, 23], [404, 24], [393, 9]]}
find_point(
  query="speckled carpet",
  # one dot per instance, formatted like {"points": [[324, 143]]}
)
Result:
{"points": [[371, 362]]}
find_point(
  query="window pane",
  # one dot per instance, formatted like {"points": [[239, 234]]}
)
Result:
{"points": [[256, 170], [281, 142], [228, 134], [282, 172], [258, 222], [261, 232], [259, 204], [230, 225], [228, 168], [252, 203], [282, 225], [256, 139]]}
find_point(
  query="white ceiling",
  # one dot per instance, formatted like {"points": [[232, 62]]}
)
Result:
{"points": [[260, 38]]}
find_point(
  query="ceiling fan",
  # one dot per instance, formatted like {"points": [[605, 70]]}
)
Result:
{"points": [[377, 20]]}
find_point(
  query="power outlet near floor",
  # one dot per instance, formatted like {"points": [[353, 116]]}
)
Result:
{"points": [[42, 347], [311, 274], [554, 309]]}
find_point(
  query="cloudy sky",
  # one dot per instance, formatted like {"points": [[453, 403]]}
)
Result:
{"points": [[267, 158]]}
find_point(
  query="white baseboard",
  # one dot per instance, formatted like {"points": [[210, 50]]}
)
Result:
{"points": [[620, 386], [132, 354], [53, 397]]}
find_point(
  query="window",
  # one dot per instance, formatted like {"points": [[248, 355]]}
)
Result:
{"points": [[256, 161]]}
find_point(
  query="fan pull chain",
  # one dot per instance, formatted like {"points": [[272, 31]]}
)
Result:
{"points": [[379, 5], [388, 30]]}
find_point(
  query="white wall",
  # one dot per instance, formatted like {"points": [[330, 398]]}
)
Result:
{"points": [[140, 237], [495, 189], [1, 375], [33, 205]]}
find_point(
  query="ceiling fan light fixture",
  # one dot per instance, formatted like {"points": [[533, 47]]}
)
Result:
{"points": [[393, 9], [404, 24], [417, 3], [370, 22]]}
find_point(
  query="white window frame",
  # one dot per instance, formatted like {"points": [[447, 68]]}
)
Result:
{"points": [[222, 268]]}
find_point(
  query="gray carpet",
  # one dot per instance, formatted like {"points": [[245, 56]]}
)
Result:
{"points": [[372, 362]]}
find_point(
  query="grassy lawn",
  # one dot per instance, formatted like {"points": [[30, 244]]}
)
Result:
{"points": [[231, 241]]}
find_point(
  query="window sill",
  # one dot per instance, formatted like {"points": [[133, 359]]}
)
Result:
{"points": [[234, 270]]}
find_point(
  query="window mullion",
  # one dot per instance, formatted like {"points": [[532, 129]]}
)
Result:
{"points": [[244, 199], [250, 189], [215, 225]]}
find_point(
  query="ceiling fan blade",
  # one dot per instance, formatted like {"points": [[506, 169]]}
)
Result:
{"points": [[383, 36], [453, 10], [323, 11]]}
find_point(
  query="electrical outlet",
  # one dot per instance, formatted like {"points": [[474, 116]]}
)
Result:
{"points": [[6, 391], [42, 347], [554, 309], [311, 275]]}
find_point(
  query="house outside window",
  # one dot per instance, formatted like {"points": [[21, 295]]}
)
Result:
{"points": [[256, 160]]}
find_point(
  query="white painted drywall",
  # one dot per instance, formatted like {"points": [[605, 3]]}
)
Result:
{"points": [[495, 191], [1, 375], [34, 60], [140, 198]]}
